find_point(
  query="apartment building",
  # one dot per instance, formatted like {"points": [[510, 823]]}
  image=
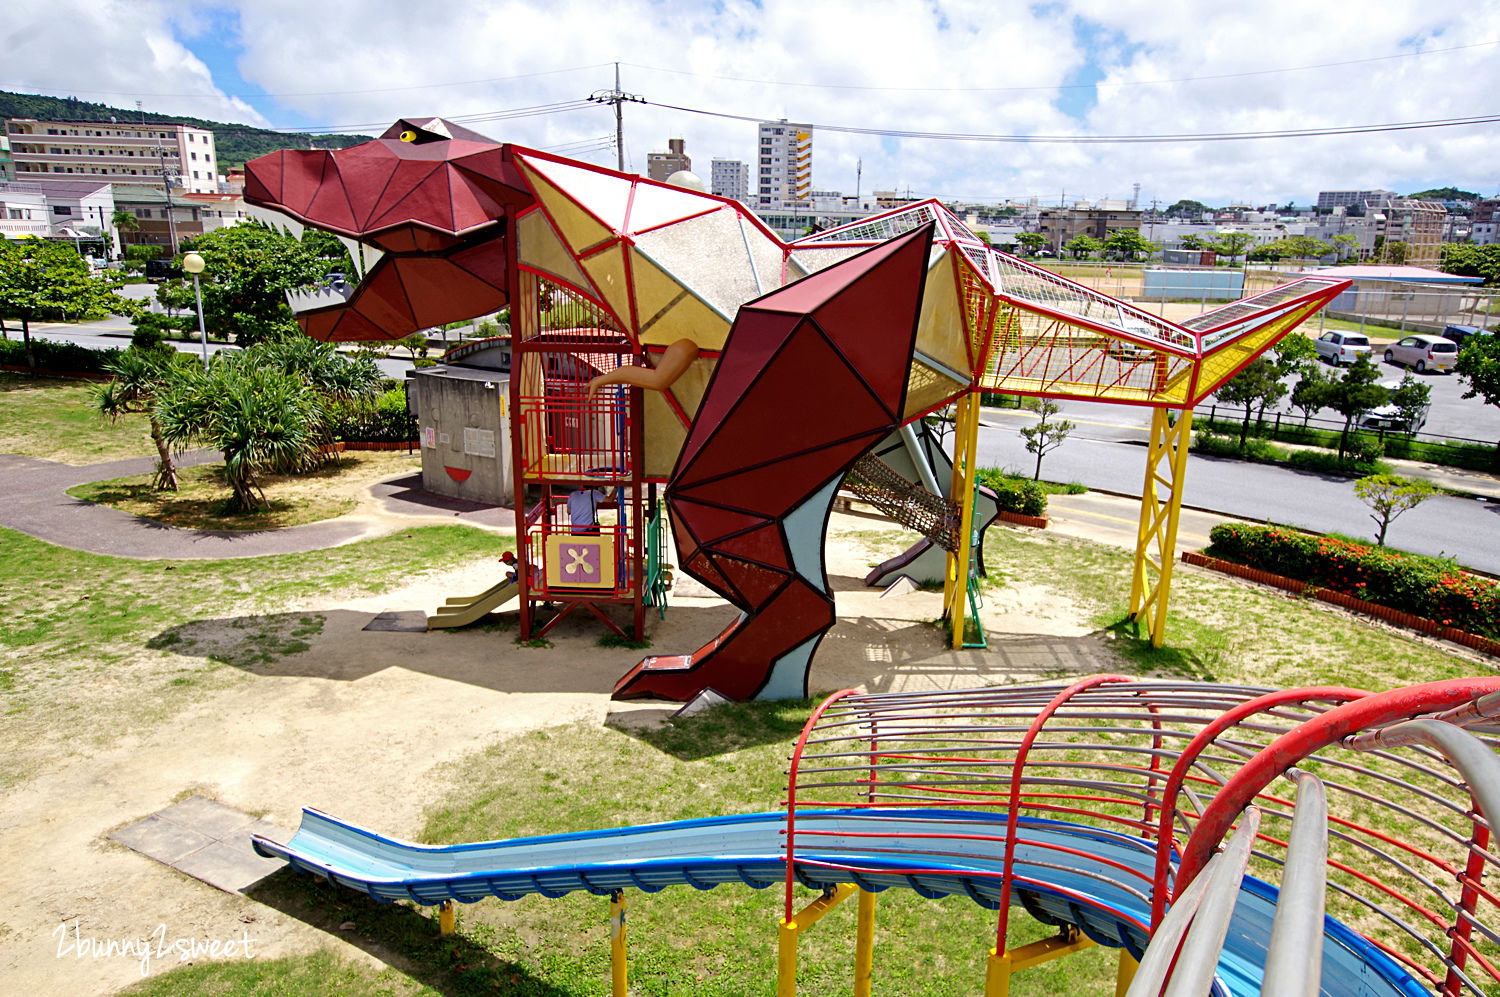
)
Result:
{"points": [[731, 178], [784, 168], [660, 165], [108, 152], [1098, 220], [1484, 223], [1330, 199]]}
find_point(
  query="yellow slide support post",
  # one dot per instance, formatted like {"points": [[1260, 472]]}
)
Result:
{"points": [[1125, 973], [1002, 964], [1161, 508], [618, 985], [447, 918], [864, 944], [786, 948], [956, 581]]}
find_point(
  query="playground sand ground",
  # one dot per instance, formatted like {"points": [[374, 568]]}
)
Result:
{"points": [[362, 725]]}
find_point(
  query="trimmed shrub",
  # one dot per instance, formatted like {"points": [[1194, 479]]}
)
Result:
{"points": [[57, 356], [1433, 588], [1324, 462], [1015, 494], [387, 421]]}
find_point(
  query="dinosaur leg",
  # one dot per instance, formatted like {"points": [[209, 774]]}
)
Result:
{"points": [[810, 378]]}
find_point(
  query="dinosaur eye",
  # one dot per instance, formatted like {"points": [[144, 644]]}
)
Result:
{"points": [[408, 136]]}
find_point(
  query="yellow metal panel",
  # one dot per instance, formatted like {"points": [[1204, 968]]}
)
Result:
{"points": [[664, 435], [579, 228], [580, 561], [1220, 363], [601, 192], [607, 268], [940, 329], [538, 246], [926, 387], [667, 311]]}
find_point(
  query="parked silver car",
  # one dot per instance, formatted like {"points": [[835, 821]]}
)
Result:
{"points": [[1423, 353], [1339, 348]]}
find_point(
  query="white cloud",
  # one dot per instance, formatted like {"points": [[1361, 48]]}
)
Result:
{"points": [[960, 66]]}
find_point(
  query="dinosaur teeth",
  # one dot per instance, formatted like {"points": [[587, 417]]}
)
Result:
{"points": [[275, 220], [363, 256], [311, 299]]}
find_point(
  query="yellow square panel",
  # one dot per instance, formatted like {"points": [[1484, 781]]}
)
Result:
{"points": [[664, 435], [580, 561], [926, 388]]}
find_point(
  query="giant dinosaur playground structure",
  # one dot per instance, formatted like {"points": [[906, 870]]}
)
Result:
{"points": [[664, 337]]}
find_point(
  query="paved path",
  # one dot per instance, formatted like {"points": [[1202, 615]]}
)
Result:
{"points": [[34, 500]]}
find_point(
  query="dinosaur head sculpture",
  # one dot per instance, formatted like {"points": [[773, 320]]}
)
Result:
{"points": [[422, 210]]}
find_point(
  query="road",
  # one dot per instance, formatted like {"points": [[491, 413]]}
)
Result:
{"points": [[1107, 451]]}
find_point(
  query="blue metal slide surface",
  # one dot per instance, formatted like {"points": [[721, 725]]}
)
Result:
{"points": [[1063, 873]]}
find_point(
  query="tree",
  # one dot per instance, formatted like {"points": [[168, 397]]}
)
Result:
{"points": [[1411, 398], [1031, 241], [247, 270], [1257, 383], [1128, 244], [1193, 243], [1083, 246], [43, 278], [1345, 246], [125, 221], [1295, 354], [415, 344], [1190, 208], [1310, 393], [138, 375], [1305, 247], [1471, 261], [1396, 253], [1390, 496], [1232, 244], [1045, 436], [1354, 394], [175, 296], [1479, 366]]}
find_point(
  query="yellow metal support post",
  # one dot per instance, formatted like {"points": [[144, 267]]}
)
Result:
{"points": [[618, 986], [1125, 973], [864, 944], [447, 918], [1161, 508], [1002, 964], [786, 948], [956, 582]]}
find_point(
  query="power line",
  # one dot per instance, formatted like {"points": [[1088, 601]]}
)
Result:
{"points": [[1111, 139]]}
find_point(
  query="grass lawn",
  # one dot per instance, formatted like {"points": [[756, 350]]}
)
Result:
{"points": [[203, 498], [722, 942], [55, 419]]}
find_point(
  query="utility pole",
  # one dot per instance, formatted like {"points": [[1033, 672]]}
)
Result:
{"points": [[618, 98], [1151, 227], [859, 170], [166, 185]]}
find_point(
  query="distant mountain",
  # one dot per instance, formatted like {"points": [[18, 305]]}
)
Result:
{"points": [[1445, 194], [234, 143]]}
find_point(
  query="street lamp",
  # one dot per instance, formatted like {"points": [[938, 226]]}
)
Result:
{"points": [[193, 264]]}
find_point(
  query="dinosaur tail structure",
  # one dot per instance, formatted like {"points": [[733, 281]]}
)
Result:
{"points": [[812, 375]]}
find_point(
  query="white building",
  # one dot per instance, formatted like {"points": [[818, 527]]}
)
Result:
{"points": [[730, 178], [106, 152], [784, 172]]}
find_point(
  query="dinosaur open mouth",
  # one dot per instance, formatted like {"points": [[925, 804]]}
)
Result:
{"points": [[308, 299]]}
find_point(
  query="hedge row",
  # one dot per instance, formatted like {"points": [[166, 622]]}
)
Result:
{"points": [[1432, 588], [57, 356]]}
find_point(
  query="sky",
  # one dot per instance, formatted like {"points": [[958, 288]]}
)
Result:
{"points": [[521, 71]]}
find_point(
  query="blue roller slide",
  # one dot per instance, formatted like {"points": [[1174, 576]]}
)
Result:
{"points": [[1094, 879]]}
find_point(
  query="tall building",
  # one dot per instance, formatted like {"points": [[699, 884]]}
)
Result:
{"points": [[106, 152], [1349, 198], [731, 178], [660, 165], [1484, 223], [785, 169]]}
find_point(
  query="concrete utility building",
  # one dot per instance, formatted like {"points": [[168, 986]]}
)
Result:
{"points": [[463, 422]]}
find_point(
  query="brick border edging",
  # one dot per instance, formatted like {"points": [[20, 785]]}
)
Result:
{"points": [[1021, 519], [409, 446], [1345, 600], [69, 375]]}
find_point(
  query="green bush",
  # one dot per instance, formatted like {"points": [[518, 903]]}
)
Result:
{"points": [[1208, 443], [1013, 492], [386, 421], [1323, 462], [1433, 588], [55, 356]]}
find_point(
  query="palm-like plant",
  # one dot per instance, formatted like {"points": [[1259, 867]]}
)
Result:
{"points": [[138, 377], [259, 417]]}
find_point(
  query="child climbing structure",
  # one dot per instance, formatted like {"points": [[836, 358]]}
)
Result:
{"points": [[608, 275]]}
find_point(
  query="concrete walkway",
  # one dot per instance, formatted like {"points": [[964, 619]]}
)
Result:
{"points": [[34, 501]]}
